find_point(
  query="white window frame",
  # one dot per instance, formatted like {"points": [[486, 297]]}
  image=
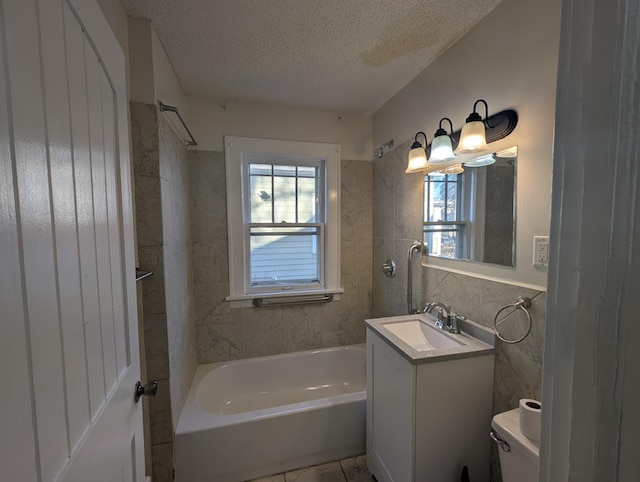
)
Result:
{"points": [[239, 152]]}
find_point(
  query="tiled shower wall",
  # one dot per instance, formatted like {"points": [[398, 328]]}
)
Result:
{"points": [[163, 233], [225, 333], [397, 222]]}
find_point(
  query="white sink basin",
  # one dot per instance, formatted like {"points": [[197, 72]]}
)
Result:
{"points": [[421, 336]]}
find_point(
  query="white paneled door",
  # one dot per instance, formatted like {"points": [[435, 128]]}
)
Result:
{"points": [[68, 326]]}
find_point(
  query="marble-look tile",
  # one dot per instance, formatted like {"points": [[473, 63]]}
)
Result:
{"points": [[208, 196], [451, 294], [349, 176], [153, 292], [341, 329], [348, 255], [210, 261], [349, 299], [156, 346], [172, 153], [148, 211], [408, 214], [210, 303], [355, 469], [489, 296], [383, 202], [176, 216], [262, 334], [301, 333], [221, 342], [383, 249], [331, 472], [209, 217], [160, 414], [430, 279], [364, 256], [144, 139], [162, 462], [348, 214], [365, 178], [526, 357], [507, 389]]}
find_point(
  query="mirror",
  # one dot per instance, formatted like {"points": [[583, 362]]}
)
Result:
{"points": [[472, 216]]}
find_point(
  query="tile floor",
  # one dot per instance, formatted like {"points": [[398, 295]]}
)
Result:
{"points": [[347, 470]]}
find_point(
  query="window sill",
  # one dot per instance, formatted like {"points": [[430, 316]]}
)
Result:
{"points": [[246, 301]]}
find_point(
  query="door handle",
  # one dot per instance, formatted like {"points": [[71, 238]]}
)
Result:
{"points": [[150, 389]]}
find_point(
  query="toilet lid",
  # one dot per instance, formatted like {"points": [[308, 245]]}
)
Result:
{"points": [[507, 427]]}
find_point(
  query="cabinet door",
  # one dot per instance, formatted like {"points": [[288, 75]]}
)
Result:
{"points": [[390, 411]]}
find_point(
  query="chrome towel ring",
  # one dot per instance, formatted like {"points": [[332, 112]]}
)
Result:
{"points": [[522, 303]]}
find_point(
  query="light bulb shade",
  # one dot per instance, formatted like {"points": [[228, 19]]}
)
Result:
{"points": [[417, 160], [452, 169], [455, 169], [441, 150], [481, 161], [472, 138]]}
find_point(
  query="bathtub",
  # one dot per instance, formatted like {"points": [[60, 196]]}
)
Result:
{"points": [[250, 418]]}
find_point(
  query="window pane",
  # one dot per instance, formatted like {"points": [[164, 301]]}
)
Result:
{"points": [[284, 199], [445, 240], [452, 202], [261, 204], [284, 256], [282, 193], [441, 200], [307, 200]]}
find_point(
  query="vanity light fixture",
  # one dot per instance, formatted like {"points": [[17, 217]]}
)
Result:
{"points": [[441, 149], [493, 128], [417, 155], [473, 138]]}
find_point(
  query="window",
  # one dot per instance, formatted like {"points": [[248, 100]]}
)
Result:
{"points": [[444, 227], [283, 218]]}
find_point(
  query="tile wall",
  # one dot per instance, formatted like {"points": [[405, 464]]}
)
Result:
{"points": [[225, 333], [160, 165], [397, 221]]}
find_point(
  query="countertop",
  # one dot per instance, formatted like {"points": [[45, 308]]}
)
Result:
{"points": [[478, 340]]}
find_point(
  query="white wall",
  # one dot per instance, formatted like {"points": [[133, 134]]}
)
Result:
{"points": [[510, 59], [211, 119], [141, 81]]}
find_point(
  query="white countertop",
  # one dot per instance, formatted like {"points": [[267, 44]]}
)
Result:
{"points": [[476, 340]]}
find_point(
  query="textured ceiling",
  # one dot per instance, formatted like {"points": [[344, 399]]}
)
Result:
{"points": [[349, 55]]}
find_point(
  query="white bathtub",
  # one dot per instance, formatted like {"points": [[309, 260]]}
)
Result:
{"points": [[260, 416]]}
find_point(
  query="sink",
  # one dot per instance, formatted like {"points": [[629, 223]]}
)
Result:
{"points": [[421, 336]]}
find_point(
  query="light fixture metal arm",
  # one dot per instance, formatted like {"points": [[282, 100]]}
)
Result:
{"points": [[486, 112]]}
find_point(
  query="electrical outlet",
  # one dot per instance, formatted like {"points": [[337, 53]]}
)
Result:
{"points": [[540, 251]]}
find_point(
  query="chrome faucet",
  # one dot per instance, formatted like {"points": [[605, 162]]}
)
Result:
{"points": [[445, 319], [443, 312]]}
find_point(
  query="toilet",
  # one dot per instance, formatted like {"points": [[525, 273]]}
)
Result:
{"points": [[520, 464]]}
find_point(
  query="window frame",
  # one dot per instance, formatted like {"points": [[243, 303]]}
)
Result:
{"points": [[239, 153], [460, 225]]}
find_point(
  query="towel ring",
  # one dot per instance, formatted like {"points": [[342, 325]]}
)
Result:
{"points": [[522, 303]]}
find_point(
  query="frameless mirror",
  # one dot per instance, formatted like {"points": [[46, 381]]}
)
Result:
{"points": [[472, 215]]}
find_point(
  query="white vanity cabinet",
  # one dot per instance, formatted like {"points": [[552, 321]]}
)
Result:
{"points": [[427, 416]]}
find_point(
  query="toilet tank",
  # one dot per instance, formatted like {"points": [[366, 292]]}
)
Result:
{"points": [[521, 463]]}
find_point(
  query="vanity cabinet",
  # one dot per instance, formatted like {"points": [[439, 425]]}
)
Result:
{"points": [[427, 417]]}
